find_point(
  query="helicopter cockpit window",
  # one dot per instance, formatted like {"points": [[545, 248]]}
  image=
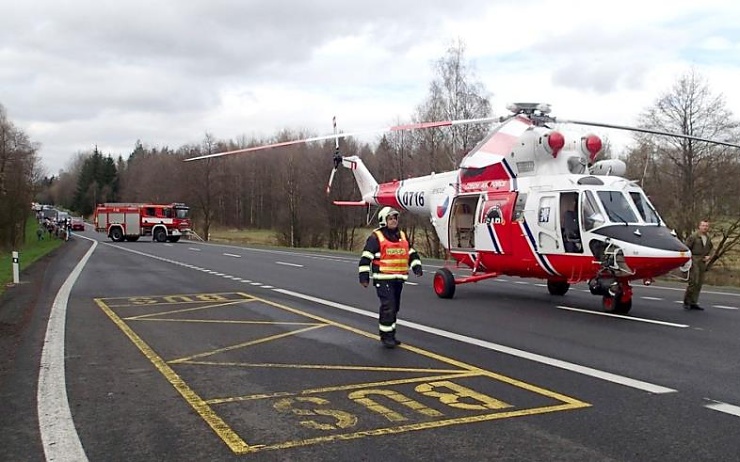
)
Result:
{"points": [[647, 212], [591, 215], [617, 208]]}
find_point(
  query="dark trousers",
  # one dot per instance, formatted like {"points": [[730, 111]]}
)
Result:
{"points": [[696, 280], [389, 294]]}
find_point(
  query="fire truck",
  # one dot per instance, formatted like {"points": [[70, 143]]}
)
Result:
{"points": [[128, 222]]}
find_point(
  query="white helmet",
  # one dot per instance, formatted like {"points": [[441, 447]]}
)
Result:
{"points": [[383, 215]]}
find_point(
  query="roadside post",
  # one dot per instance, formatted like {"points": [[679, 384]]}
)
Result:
{"points": [[16, 277]]}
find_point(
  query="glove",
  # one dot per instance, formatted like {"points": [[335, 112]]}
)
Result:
{"points": [[417, 271]]}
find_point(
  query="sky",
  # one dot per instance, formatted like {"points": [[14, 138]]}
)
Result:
{"points": [[84, 73]]}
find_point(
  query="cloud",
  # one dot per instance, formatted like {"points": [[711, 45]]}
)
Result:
{"points": [[79, 73]]}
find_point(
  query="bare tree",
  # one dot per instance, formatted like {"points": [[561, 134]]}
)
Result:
{"points": [[455, 94], [691, 180], [19, 171]]}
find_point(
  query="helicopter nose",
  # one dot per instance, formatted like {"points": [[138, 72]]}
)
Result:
{"points": [[657, 265]]}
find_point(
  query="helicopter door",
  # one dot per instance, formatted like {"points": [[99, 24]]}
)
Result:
{"points": [[493, 216], [462, 222], [569, 227], [546, 233]]}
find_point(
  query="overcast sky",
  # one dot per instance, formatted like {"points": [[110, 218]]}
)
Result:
{"points": [[80, 73]]}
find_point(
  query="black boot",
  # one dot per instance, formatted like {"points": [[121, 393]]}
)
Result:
{"points": [[388, 340]]}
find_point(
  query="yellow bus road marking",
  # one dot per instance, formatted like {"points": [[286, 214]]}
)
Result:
{"points": [[246, 344], [412, 427], [232, 440], [434, 397], [177, 299]]}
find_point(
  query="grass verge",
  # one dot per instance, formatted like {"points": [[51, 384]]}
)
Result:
{"points": [[32, 250]]}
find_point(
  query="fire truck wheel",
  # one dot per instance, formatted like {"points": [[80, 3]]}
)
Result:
{"points": [[160, 235], [116, 235], [173, 238]]}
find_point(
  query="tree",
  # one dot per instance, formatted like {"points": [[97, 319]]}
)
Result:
{"points": [[454, 94], [693, 180], [97, 183], [19, 172]]}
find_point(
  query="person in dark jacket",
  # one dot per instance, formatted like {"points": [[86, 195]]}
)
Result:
{"points": [[701, 246], [388, 256]]}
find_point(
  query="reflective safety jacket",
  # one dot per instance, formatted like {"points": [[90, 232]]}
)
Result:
{"points": [[388, 255]]}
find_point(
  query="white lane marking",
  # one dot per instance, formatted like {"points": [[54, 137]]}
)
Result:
{"points": [[723, 307], [651, 298], [608, 376], [232, 255], [541, 285], [256, 283], [268, 287], [58, 434], [411, 283], [246, 281], [195, 249], [724, 407], [621, 316], [289, 264], [521, 282], [683, 289]]}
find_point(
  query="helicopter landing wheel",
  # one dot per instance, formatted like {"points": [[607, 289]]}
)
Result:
{"points": [[444, 283], [557, 287]]}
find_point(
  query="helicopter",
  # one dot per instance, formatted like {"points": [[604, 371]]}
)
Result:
{"points": [[530, 201]]}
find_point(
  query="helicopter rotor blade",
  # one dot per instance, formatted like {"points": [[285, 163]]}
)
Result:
{"points": [[646, 130], [337, 136]]}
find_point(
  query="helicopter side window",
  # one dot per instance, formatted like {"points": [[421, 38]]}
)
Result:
{"points": [[521, 201], [617, 208], [647, 212], [591, 215]]}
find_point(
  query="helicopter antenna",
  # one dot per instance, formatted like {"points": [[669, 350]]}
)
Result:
{"points": [[337, 156]]}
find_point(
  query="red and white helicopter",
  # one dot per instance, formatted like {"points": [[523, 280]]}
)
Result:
{"points": [[530, 201]]}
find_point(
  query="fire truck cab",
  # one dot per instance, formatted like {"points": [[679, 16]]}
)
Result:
{"points": [[128, 222]]}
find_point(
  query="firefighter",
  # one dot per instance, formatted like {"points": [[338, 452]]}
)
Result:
{"points": [[388, 255]]}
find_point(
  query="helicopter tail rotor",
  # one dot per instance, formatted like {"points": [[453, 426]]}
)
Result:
{"points": [[337, 156]]}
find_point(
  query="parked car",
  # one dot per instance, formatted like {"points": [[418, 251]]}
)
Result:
{"points": [[78, 224]]}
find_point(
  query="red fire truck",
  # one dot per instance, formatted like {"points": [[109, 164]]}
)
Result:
{"points": [[125, 221]]}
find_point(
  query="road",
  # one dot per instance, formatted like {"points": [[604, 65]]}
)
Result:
{"points": [[194, 351]]}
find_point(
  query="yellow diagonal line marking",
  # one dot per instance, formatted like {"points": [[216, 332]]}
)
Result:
{"points": [[429, 354], [225, 321], [339, 367], [185, 310], [353, 386], [220, 427], [246, 344]]}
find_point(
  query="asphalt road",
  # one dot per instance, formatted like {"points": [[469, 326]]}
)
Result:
{"points": [[193, 351]]}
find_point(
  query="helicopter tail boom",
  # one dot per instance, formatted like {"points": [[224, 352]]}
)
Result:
{"points": [[365, 180]]}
